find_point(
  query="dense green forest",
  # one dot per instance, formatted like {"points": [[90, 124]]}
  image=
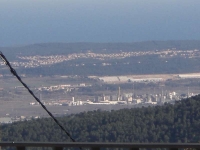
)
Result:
{"points": [[168, 123]]}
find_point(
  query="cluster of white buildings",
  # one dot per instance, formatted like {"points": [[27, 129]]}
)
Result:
{"points": [[189, 76], [52, 103], [67, 87], [121, 99], [131, 98], [54, 88]]}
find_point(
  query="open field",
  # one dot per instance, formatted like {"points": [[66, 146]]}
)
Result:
{"points": [[33, 82], [22, 108]]}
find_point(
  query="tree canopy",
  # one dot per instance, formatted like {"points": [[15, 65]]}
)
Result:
{"points": [[168, 123]]}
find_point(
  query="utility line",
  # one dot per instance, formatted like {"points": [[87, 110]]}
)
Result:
{"points": [[12, 70]]}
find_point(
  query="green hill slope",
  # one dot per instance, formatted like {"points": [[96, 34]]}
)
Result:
{"points": [[168, 123]]}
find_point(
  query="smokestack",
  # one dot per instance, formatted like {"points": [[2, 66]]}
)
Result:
{"points": [[119, 94]]}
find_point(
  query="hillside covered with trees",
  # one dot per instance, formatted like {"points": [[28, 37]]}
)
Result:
{"points": [[168, 123]]}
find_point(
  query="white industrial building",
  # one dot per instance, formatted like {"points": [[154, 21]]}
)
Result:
{"points": [[184, 76]]}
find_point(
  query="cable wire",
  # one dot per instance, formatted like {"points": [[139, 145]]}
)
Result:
{"points": [[12, 70]]}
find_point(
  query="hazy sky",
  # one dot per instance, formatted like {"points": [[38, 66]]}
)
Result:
{"points": [[38, 21]]}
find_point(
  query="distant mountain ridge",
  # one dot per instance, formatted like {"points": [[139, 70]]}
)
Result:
{"points": [[63, 48], [137, 64]]}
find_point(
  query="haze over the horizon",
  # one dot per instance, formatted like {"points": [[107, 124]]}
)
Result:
{"points": [[37, 21]]}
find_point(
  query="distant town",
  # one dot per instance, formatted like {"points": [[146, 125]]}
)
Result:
{"points": [[36, 61], [120, 97], [119, 86]]}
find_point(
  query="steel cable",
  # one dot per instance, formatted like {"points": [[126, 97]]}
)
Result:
{"points": [[12, 70]]}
